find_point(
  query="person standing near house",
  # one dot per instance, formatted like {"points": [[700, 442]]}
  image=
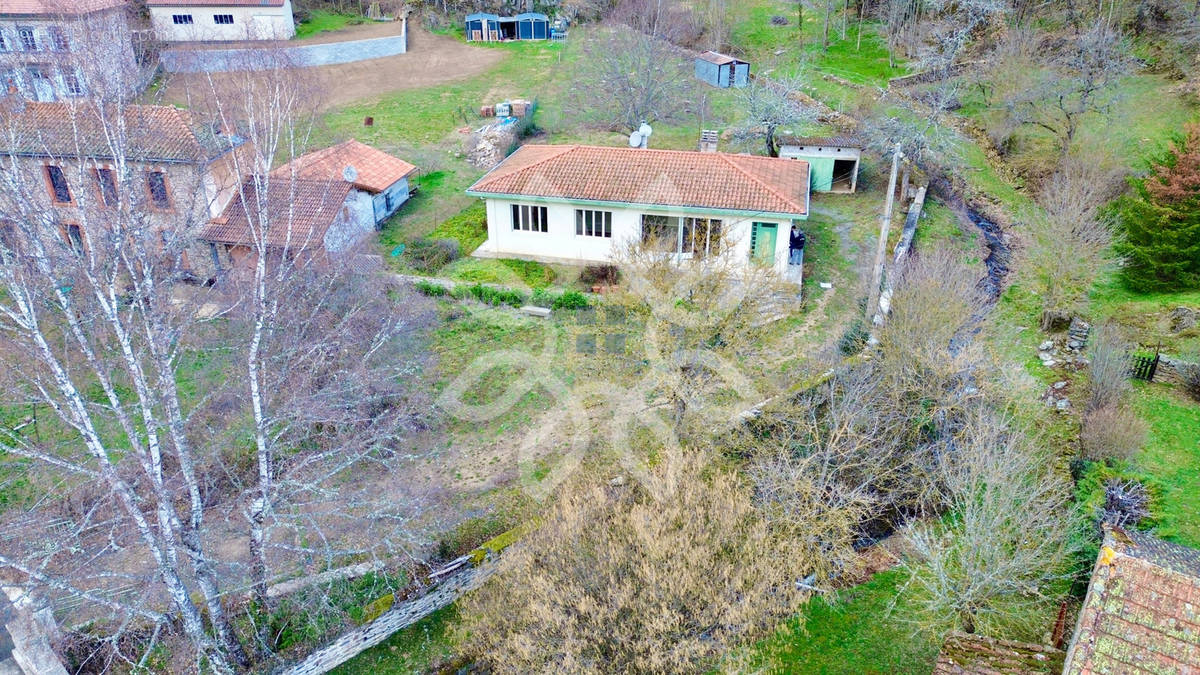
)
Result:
{"points": [[796, 247]]}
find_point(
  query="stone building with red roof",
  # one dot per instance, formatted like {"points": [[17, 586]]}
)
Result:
{"points": [[52, 50], [583, 204]]}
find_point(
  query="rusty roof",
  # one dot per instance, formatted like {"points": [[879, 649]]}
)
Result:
{"points": [[1142, 612], [57, 7], [376, 169], [718, 59], [964, 654], [153, 133], [301, 211], [666, 178]]}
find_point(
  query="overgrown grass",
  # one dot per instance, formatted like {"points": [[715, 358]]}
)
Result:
{"points": [[323, 21], [1172, 455], [858, 631], [468, 228]]}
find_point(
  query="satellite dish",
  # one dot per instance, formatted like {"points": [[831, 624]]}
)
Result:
{"points": [[645, 130], [635, 140], [350, 174]]}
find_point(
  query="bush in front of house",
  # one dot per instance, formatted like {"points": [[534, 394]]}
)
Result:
{"points": [[489, 295], [855, 338], [600, 275], [431, 255], [1112, 432], [570, 300], [431, 289]]}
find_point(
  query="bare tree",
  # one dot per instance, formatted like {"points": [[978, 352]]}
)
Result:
{"points": [[1080, 80], [634, 78], [771, 109], [989, 566]]}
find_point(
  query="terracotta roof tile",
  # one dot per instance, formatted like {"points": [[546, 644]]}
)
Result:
{"points": [[377, 170], [1139, 616], [57, 7], [301, 212], [153, 132], [668, 178]]}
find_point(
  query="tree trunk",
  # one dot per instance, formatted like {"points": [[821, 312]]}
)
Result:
{"points": [[828, 18]]}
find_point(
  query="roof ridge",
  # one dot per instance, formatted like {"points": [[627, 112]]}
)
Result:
{"points": [[566, 149], [729, 160]]}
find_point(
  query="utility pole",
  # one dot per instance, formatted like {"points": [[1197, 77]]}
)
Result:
{"points": [[884, 226]]}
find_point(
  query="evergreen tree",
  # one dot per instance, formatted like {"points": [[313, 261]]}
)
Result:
{"points": [[1161, 221]]}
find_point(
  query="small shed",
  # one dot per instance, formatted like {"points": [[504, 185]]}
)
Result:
{"points": [[483, 27], [723, 71], [533, 26], [833, 162]]}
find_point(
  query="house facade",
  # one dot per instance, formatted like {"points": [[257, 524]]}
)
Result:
{"points": [[173, 173], [52, 50], [586, 204], [221, 20]]}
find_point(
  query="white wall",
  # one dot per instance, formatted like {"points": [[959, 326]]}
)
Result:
{"points": [[249, 23], [561, 243], [356, 222]]}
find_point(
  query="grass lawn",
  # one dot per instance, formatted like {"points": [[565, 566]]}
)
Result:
{"points": [[858, 631], [412, 650], [1172, 456], [322, 21]]}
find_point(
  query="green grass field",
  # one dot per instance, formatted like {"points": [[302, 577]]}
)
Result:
{"points": [[1172, 456], [322, 21]]}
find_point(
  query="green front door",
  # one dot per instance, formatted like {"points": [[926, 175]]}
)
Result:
{"points": [[762, 243]]}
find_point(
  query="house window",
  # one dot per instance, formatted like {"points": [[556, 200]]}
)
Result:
{"points": [[593, 223], [60, 192], [71, 82], [702, 236], [58, 39], [156, 182], [28, 39], [223, 19], [106, 185], [661, 233], [181, 19], [529, 218], [75, 238]]}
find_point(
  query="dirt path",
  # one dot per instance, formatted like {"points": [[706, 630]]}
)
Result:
{"points": [[431, 60]]}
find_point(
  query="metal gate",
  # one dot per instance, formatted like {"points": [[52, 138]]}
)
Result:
{"points": [[1143, 367]]}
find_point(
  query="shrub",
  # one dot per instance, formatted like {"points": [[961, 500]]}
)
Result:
{"points": [[543, 298], [596, 275], [1112, 432], [571, 300], [430, 255], [431, 289], [855, 338], [1108, 369], [1126, 503], [493, 296]]}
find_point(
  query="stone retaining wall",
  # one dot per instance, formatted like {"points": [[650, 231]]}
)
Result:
{"points": [[275, 54]]}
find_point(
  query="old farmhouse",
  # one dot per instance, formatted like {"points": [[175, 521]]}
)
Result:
{"points": [[59, 49], [174, 170], [581, 204], [833, 162], [221, 20], [320, 205]]}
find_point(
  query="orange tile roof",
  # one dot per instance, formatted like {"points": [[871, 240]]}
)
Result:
{"points": [[301, 213], [377, 170], [153, 132], [669, 178], [57, 7], [1142, 612]]}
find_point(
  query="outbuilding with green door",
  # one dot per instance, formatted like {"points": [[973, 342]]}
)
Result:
{"points": [[833, 162]]}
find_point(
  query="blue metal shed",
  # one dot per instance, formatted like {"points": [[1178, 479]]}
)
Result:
{"points": [[723, 71], [533, 26], [483, 27]]}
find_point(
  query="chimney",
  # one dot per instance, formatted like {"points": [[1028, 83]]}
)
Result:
{"points": [[709, 140]]}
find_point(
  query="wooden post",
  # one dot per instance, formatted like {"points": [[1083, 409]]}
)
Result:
{"points": [[884, 225]]}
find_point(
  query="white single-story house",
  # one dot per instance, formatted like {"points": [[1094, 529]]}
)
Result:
{"points": [[221, 20], [583, 204], [380, 181], [833, 162]]}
